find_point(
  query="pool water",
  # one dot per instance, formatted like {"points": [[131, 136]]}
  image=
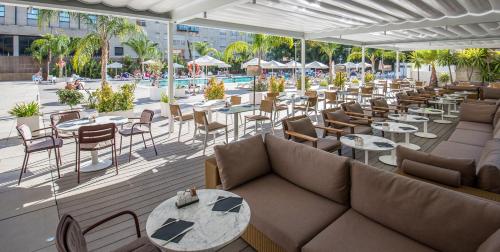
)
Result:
{"points": [[185, 82]]}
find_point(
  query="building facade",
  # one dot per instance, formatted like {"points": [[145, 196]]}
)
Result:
{"points": [[19, 27]]}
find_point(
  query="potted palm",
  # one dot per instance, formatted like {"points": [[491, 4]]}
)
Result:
{"points": [[340, 79], [164, 105], [27, 113], [119, 102]]}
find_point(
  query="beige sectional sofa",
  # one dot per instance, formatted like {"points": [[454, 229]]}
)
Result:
{"points": [[304, 199], [472, 152]]}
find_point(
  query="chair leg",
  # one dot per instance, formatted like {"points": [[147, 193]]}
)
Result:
{"points": [[180, 130], [227, 140], [353, 153], [339, 151], [121, 140], [245, 127], [78, 166], [205, 142], [153, 141], [195, 131], [256, 125], [26, 165], [25, 161], [144, 141], [59, 154], [76, 150], [113, 150], [130, 149], [57, 162]]}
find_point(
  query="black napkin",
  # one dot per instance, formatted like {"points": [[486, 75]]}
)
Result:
{"points": [[434, 110], [171, 230], [406, 128], [226, 204], [377, 124], [224, 109], [383, 144], [420, 118], [350, 137]]}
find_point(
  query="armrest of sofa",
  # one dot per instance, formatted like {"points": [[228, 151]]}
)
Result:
{"points": [[431, 172], [212, 178]]}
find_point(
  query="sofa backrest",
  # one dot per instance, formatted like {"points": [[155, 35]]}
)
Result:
{"points": [[476, 112], [440, 218], [488, 167], [491, 93], [312, 169]]}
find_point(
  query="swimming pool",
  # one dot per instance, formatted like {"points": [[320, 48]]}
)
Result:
{"points": [[185, 82]]}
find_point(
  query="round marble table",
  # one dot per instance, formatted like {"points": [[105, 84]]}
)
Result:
{"points": [[396, 128], [368, 143], [442, 103], [456, 99], [414, 119], [211, 230], [429, 112], [95, 164], [209, 106]]}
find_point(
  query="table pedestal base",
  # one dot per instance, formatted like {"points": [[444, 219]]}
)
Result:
{"points": [[90, 166], [441, 121], [425, 134], [450, 116], [409, 145], [388, 160]]}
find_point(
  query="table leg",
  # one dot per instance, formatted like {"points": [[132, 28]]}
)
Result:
{"points": [[366, 157], [448, 114], [407, 143], [95, 164], [235, 125], [209, 114], [442, 120], [425, 134]]}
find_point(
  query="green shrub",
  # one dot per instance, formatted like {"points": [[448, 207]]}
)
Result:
{"points": [[91, 99], [369, 77], [281, 84], [164, 98], [215, 90], [444, 78], [323, 83], [298, 83], [109, 100], [355, 81], [70, 97], [25, 109], [340, 79], [273, 85]]}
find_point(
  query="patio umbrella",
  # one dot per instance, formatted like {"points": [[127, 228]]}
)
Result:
{"points": [[255, 62], [207, 61], [148, 62], [274, 64], [293, 64], [115, 65], [316, 65], [176, 65]]}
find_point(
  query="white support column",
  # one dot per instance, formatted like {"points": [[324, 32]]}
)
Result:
{"points": [[170, 62], [363, 65], [303, 62], [397, 64]]}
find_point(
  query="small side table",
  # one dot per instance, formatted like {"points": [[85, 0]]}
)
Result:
{"points": [[368, 143], [396, 128]]}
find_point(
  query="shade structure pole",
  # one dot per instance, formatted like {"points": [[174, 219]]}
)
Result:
{"points": [[363, 65], [397, 64], [170, 61], [303, 62]]}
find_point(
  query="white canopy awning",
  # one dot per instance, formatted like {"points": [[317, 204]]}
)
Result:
{"points": [[401, 24], [293, 64], [274, 65], [255, 62], [148, 62], [208, 61], [316, 65], [115, 65]]}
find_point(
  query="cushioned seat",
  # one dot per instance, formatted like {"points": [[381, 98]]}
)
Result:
{"points": [[360, 129], [326, 144], [457, 150], [213, 126], [289, 221], [184, 117], [137, 130], [483, 127], [470, 137], [44, 144], [96, 146], [354, 232]]}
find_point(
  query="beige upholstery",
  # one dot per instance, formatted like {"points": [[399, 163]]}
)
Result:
{"points": [[471, 137], [475, 112], [287, 214], [303, 126], [354, 232], [488, 167], [424, 212], [483, 127], [359, 129], [457, 150], [492, 244], [431, 172], [328, 144]]}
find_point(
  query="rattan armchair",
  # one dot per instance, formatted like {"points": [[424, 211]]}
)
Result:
{"points": [[266, 107], [201, 123], [176, 113]]}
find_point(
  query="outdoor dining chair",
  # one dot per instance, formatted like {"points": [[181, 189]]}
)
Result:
{"points": [[332, 99], [176, 113], [266, 107], [235, 100], [138, 128], [366, 93], [61, 117], [278, 107], [37, 144], [309, 105], [71, 238], [94, 138], [201, 123]]}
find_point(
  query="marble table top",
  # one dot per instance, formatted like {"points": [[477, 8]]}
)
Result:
{"points": [[74, 125], [368, 142], [394, 127], [429, 111], [211, 230], [408, 118], [443, 102], [210, 103], [235, 109]]}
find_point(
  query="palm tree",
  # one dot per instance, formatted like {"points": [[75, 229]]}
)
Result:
{"points": [[203, 48], [261, 44], [329, 49], [102, 29], [371, 54], [144, 48], [447, 58], [49, 45], [430, 57], [61, 48], [417, 61]]}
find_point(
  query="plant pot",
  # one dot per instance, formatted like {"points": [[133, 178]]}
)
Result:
{"points": [[155, 93], [165, 109], [180, 92], [259, 96], [33, 122], [124, 113]]}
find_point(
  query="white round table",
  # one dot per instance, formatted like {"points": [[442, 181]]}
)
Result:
{"points": [[428, 112], [396, 128], [442, 102], [368, 143], [211, 230], [414, 119], [209, 106], [456, 99], [95, 164]]}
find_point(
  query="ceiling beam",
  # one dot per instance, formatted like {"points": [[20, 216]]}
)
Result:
{"points": [[189, 11], [340, 41], [462, 39], [491, 16], [242, 27], [98, 9]]}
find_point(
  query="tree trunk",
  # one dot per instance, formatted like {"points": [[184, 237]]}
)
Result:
{"points": [[451, 77], [142, 66], [104, 61], [418, 73], [433, 80], [49, 57], [330, 73], [469, 75], [60, 67]]}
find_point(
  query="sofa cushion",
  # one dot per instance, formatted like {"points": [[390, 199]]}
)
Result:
{"points": [[359, 129], [241, 161], [327, 144], [317, 171], [382, 103], [442, 219], [303, 126], [471, 137], [475, 112], [431, 172], [355, 108], [491, 93], [496, 131], [483, 127], [488, 174], [466, 167], [354, 232], [457, 150], [492, 244], [338, 115], [286, 213]]}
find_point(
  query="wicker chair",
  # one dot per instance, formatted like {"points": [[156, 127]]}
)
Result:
{"points": [[139, 128], [381, 108], [37, 144], [94, 138], [278, 107], [332, 99], [366, 93], [308, 135], [176, 113], [71, 238], [309, 105], [266, 107], [201, 123]]}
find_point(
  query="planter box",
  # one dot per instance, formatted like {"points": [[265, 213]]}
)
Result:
{"points": [[33, 122], [165, 109], [155, 93], [180, 92], [259, 96], [125, 113]]}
